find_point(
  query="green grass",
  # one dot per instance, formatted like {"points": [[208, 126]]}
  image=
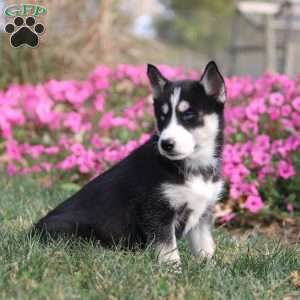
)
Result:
{"points": [[243, 268]]}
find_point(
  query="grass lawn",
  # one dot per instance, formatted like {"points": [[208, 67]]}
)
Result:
{"points": [[243, 268]]}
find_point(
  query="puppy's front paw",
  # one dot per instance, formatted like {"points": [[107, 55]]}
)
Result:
{"points": [[207, 251], [170, 258], [174, 266]]}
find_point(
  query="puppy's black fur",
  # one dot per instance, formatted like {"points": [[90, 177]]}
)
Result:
{"points": [[122, 204]]}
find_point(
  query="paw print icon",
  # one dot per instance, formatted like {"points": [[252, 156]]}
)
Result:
{"points": [[24, 32]]}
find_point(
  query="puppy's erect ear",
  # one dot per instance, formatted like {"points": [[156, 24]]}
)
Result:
{"points": [[157, 80], [213, 82]]}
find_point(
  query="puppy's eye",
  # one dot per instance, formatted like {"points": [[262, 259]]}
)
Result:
{"points": [[189, 116]]}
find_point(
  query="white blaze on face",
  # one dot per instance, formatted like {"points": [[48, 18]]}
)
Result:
{"points": [[184, 140]]}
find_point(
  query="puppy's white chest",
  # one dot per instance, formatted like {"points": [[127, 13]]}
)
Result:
{"points": [[196, 194]]}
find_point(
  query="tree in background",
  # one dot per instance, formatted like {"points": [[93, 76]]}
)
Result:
{"points": [[203, 24]]}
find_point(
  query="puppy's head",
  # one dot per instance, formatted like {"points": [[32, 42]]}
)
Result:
{"points": [[189, 113]]}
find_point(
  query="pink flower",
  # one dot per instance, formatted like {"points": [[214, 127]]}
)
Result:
{"points": [[6, 128], [131, 145], [144, 138], [68, 163], [96, 141], [11, 169], [276, 99], [109, 120], [228, 168], [13, 150], [79, 92], [252, 113], [101, 72], [296, 104], [102, 84], [286, 110], [227, 218], [274, 113], [77, 149], [285, 169], [46, 166], [99, 103], [239, 173], [254, 204], [137, 110], [231, 154], [36, 151], [44, 111], [249, 128], [51, 150], [264, 172], [260, 157], [235, 191], [73, 121], [288, 124], [262, 141], [296, 119], [111, 155], [290, 207]]}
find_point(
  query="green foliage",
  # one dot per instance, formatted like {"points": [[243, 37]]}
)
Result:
{"points": [[200, 24], [283, 192]]}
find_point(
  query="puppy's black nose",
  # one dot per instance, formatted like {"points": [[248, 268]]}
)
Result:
{"points": [[168, 145]]}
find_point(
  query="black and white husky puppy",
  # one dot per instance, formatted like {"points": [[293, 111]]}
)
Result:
{"points": [[165, 189]]}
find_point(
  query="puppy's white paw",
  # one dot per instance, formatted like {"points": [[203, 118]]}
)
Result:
{"points": [[170, 258], [175, 266], [207, 251]]}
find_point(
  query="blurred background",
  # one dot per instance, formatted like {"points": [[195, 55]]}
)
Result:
{"points": [[244, 37]]}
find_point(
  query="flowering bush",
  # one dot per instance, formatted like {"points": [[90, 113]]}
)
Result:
{"points": [[80, 128]]}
